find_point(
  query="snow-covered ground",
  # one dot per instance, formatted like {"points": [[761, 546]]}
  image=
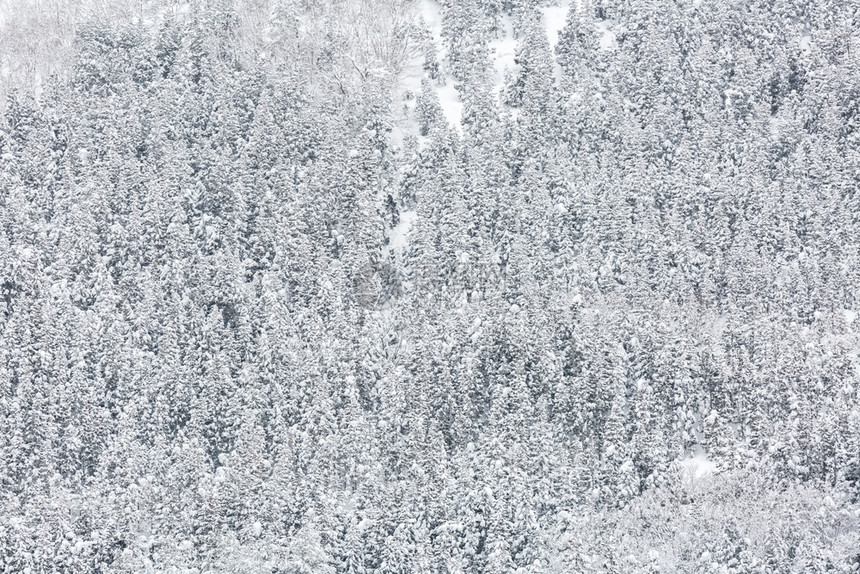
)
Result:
{"points": [[554, 18], [403, 103], [504, 52], [409, 82], [698, 467], [449, 99], [431, 12], [607, 36], [452, 107], [398, 237]]}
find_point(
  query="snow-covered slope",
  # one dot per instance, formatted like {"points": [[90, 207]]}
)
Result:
{"points": [[554, 17], [449, 99], [503, 49]]}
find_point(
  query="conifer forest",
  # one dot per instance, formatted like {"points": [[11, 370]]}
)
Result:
{"points": [[429, 286]]}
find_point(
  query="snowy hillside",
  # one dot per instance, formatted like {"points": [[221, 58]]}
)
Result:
{"points": [[390, 286]]}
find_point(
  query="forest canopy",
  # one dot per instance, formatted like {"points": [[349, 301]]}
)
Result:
{"points": [[295, 286]]}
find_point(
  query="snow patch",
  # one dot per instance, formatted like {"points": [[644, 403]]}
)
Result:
{"points": [[849, 315], [398, 237], [718, 326], [607, 36], [403, 104], [452, 107], [698, 467], [410, 78], [554, 18], [504, 52], [409, 83], [449, 99], [431, 12], [37, 86]]}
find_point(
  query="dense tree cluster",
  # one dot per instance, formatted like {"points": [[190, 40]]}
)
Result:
{"points": [[611, 325]]}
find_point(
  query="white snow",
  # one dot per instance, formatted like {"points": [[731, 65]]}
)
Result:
{"points": [[452, 107], [410, 77], [607, 36], [504, 52], [398, 236], [409, 83], [449, 99], [37, 86], [403, 104], [431, 11], [698, 467], [849, 315], [554, 18]]}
